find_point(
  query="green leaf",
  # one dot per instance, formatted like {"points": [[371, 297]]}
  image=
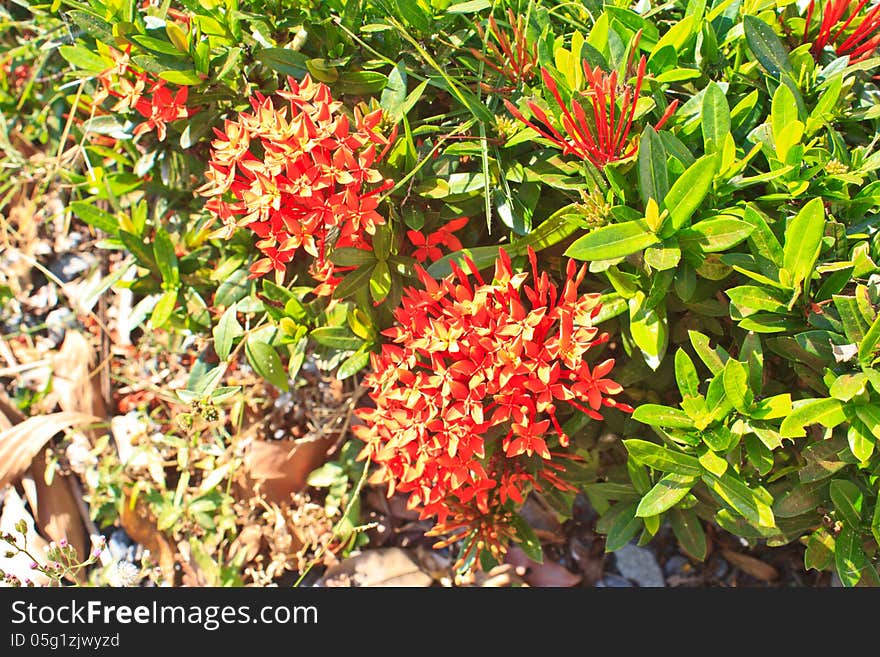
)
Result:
{"points": [[736, 386], [690, 189], [714, 359], [353, 364], [84, 59], [662, 416], [163, 309], [283, 60], [715, 117], [653, 176], [855, 326], [714, 235], [772, 408], [471, 7], [827, 412], [803, 498], [759, 456], [847, 386], [849, 558], [763, 243], [848, 500], [95, 217], [394, 94], [360, 83], [612, 241], [183, 78], [336, 337], [750, 299], [662, 458], [649, 329], [751, 504], [166, 259], [820, 550], [353, 281], [766, 46], [860, 440], [266, 363], [483, 257], [870, 415], [803, 241], [783, 112], [527, 540], [352, 257], [226, 331], [688, 530], [623, 526], [93, 25], [869, 344], [665, 494], [380, 281], [686, 375]]}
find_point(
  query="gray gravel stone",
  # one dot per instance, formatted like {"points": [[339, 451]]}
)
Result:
{"points": [[639, 565], [612, 581]]}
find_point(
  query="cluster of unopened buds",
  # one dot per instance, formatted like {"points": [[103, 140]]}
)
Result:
{"points": [[299, 173], [150, 97], [468, 393]]}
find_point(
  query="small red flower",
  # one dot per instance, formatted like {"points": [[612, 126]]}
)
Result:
{"points": [[467, 395], [162, 108], [595, 124], [428, 247], [838, 17]]}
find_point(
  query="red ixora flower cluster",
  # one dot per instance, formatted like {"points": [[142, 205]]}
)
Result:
{"points": [[298, 176], [467, 395], [150, 97], [515, 58], [837, 17], [596, 130]]}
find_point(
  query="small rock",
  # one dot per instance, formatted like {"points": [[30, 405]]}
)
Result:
{"points": [[612, 581], [639, 565], [675, 565], [720, 568], [122, 548], [57, 322], [381, 567], [68, 266]]}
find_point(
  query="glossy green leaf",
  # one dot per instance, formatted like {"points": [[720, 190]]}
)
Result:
{"points": [[527, 540], [665, 494], [714, 235], [827, 412], [689, 190], [266, 362], [336, 337], [686, 374], [803, 241], [736, 386], [689, 531], [715, 117], [766, 46], [95, 217], [166, 259], [662, 416], [612, 241], [623, 526], [662, 458], [653, 176], [649, 329], [753, 504], [226, 331], [848, 500]]}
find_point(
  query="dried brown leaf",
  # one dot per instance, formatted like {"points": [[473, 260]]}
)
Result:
{"points": [[280, 468], [548, 574], [19, 444], [76, 390], [382, 567], [139, 524], [751, 566], [57, 514]]}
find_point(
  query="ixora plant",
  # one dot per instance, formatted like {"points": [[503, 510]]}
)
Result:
{"points": [[480, 208]]}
